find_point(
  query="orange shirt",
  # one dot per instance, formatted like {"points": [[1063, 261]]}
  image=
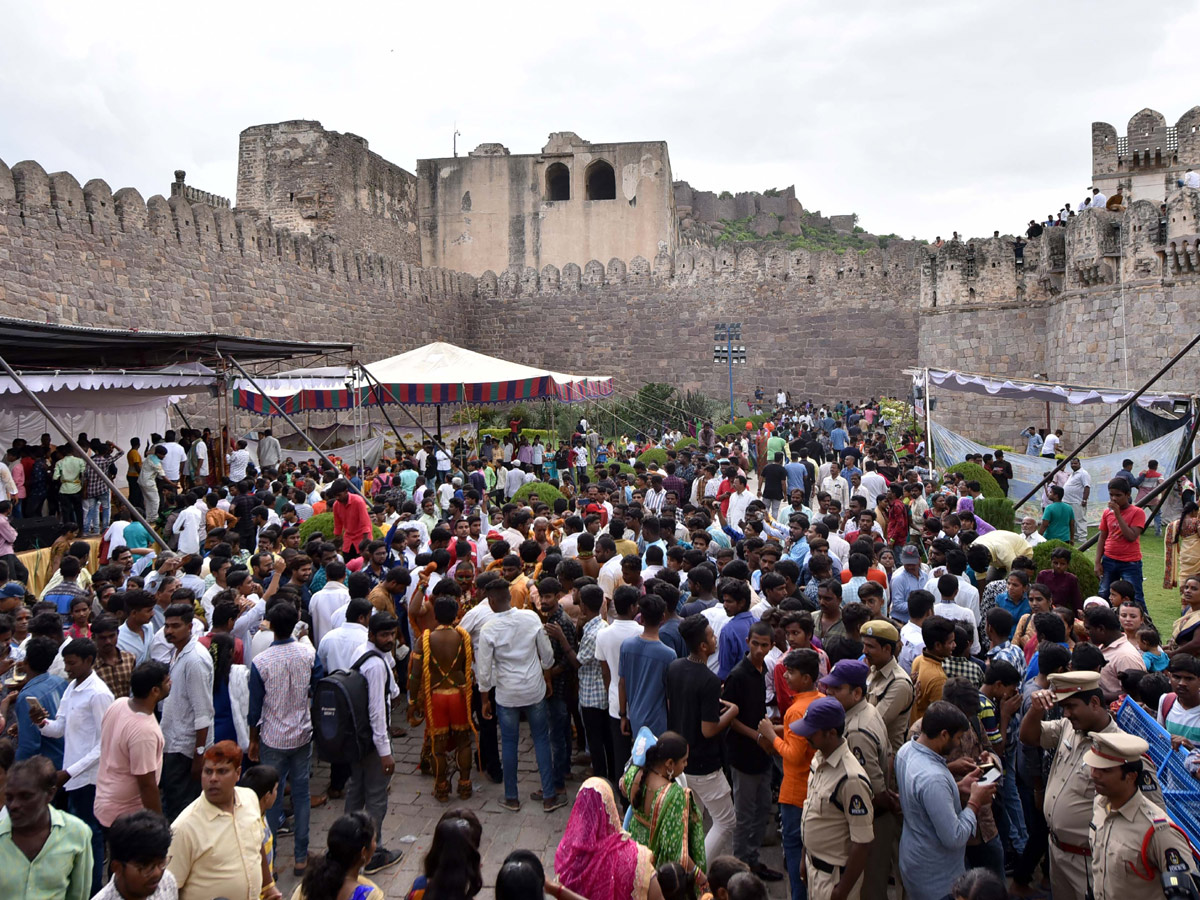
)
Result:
{"points": [[876, 575], [796, 751]]}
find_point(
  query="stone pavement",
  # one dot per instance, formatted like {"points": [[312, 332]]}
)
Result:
{"points": [[412, 811]]}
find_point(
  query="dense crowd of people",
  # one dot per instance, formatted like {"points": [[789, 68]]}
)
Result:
{"points": [[802, 631]]}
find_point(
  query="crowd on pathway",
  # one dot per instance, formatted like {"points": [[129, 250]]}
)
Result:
{"points": [[802, 631]]}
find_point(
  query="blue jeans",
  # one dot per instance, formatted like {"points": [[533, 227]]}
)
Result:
{"points": [[1115, 570], [560, 740], [91, 515], [510, 729], [793, 848], [1018, 834], [293, 766]]}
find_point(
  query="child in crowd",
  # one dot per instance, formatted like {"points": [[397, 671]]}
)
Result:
{"points": [[81, 619], [264, 781], [1150, 643]]}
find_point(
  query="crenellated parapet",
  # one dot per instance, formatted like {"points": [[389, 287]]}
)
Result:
{"points": [[893, 270], [211, 228]]}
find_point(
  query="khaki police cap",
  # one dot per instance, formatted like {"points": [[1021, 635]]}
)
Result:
{"points": [[1114, 748], [1068, 684], [880, 628]]}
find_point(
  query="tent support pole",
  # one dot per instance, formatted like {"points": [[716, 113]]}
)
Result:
{"points": [[928, 421], [1170, 364], [1162, 490], [1187, 448], [186, 423], [300, 431], [379, 400], [91, 464]]}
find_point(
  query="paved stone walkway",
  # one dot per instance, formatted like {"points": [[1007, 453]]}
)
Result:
{"points": [[412, 811]]}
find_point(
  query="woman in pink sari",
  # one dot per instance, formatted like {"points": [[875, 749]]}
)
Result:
{"points": [[595, 858]]}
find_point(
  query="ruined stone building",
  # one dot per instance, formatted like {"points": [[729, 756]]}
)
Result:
{"points": [[573, 258]]}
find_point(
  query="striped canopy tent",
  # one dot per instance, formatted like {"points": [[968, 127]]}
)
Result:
{"points": [[434, 375]]}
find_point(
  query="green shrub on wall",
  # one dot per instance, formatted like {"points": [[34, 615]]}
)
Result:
{"points": [[973, 472], [1082, 566]]}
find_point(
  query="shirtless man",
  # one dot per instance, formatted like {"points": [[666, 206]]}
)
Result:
{"points": [[439, 691]]}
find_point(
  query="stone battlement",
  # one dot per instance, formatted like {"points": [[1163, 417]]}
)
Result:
{"points": [[58, 198]]}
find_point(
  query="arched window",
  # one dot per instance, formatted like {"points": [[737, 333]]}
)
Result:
{"points": [[601, 181], [558, 182]]}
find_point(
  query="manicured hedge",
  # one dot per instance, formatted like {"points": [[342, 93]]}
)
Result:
{"points": [[547, 493], [998, 512], [684, 442], [655, 455], [973, 472], [1082, 566]]}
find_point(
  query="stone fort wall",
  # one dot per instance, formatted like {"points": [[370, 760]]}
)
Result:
{"points": [[1113, 292], [643, 321], [88, 256]]}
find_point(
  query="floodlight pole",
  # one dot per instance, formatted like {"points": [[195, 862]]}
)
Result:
{"points": [[1116, 415], [91, 463], [300, 431]]}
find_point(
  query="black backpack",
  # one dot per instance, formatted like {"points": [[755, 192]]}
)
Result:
{"points": [[341, 715]]}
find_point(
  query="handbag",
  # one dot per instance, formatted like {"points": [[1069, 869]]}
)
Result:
{"points": [[643, 741]]}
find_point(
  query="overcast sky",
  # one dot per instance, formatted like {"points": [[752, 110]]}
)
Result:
{"points": [[923, 117]]}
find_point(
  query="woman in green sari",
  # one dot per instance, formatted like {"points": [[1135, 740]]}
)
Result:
{"points": [[665, 816]]}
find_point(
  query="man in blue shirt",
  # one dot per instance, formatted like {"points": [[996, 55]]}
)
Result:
{"points": [[642, 670], [797, 476], [798, 526], [47, 690], [906, 580], [735, 597], [850, 469], [839, 438]]}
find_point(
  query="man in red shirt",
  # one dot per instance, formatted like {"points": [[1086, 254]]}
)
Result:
{"points": [[351, 519], [1120, 547]]}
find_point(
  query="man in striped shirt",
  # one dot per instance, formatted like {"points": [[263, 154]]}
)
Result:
{"points": [[281, 678]]}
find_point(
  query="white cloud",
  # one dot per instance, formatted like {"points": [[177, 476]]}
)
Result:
{"points": [[923, 117]]}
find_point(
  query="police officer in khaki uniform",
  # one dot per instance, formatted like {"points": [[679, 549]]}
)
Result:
{"points": [[889, 687], [838, 813], [867, 736], [1134, 843], [1069, 790]]}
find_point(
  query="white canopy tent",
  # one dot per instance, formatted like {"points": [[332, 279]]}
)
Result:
{"points": [[1031, 389], [107, 404]]}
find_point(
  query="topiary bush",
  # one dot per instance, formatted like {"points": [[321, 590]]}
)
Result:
{"points": [[656, 455], [606, 468], [973, 472], [998, 512], [685, 442], [729, 430], [323, 522], [547, 493], [1082, 565]]}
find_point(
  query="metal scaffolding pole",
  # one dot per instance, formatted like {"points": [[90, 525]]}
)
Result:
{"points": [[61, 429], [1162, 489]]}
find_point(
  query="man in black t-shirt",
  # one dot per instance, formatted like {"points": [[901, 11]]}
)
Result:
{"points": [[746, 688], [695, 710], [772, 484], [1002, 471]]}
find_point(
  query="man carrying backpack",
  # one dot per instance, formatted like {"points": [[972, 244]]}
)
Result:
{"points": [[368, 787]]}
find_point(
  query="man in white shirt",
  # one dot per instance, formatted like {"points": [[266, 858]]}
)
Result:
{"points": [[948, 606], [339, 649], [837, 488], [1051, 444], [513, 480], [270, 452], [175, 458], [872, 484], [238, 460], [325, 602], [606, 555], [1191, 179], [608, 653], [513, 652], [1076, 491], [80, 713], [1029, 531], [739, 502], [189, 525]]}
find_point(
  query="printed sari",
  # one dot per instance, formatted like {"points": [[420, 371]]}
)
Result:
{"points": [[1181, 547], [669, 823], [595, 858]]}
